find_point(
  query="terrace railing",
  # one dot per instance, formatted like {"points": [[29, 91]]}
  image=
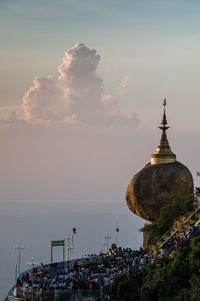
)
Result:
{"points": [[180, 227], [59, 295]]}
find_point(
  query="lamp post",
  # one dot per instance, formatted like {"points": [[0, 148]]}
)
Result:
{"points": [[68, 237], [107, 236], [100, 286], [103, 243], [116, 235], [32, 264], [70, 244], [73, 232], [85, 254], [19, 248]]}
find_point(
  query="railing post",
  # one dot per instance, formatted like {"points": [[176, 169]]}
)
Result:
{"points": [[51, 253]]}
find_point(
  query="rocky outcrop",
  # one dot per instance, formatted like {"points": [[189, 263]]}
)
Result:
{"points": [[144, 190], [145, 243]]}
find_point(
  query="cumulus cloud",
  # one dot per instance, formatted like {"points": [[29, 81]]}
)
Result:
{"points": [[123, 87], [45, 101], [11, 115], [76, 96]]}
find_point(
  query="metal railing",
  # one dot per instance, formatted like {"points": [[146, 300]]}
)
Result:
{"points": [[171, 229], [59, 295], [169, 251], [174, 233]]}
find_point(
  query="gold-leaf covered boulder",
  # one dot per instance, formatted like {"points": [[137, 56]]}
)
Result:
{"points": [[145, 195]]}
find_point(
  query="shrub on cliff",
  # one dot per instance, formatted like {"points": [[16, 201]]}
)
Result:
{"points": [[175, 279], [178, 206]]}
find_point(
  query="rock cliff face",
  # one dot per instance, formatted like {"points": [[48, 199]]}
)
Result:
{"points": [[145, 243], [142, 195]]}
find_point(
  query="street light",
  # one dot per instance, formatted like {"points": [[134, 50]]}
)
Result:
{"points": [[107, 236], [70, 244], [73, 232], [32, 264], [103, 243], [100, 286], [68, 237], [19, 248], [116, 235], [85, 254]]}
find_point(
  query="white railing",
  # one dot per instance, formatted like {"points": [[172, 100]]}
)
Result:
{"points": [[193, 214]]}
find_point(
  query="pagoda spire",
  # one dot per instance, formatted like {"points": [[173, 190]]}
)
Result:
{"points": [[164, 120], [163, 153]]}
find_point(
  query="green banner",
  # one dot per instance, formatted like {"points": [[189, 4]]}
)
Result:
{"points": [[57, 243]]}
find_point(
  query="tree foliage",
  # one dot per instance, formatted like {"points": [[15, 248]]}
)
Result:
{"points": [[175, 279], [176, 207]]}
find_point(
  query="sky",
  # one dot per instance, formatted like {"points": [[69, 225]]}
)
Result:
{"points": [[82, 84]]}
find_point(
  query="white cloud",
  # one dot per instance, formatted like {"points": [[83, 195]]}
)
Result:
{"points": [[76, 96], [123, 87], [11, 115], [45, 101]]}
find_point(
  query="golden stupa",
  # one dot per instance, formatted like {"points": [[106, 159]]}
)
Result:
{"points": [[162, 176], [163, 153]]}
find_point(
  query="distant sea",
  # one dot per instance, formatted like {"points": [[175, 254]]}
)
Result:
{"points": [[36, 223]]}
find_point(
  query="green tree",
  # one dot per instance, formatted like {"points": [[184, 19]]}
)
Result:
{"points": [[175, 279], [177, 205]]}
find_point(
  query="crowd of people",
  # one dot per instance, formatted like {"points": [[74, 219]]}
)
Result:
{"points": [[83, 274], [96, 271], [177, 240]]}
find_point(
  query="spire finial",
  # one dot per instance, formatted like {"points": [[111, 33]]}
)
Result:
{"points": [[163, 153], [164, 120]]}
